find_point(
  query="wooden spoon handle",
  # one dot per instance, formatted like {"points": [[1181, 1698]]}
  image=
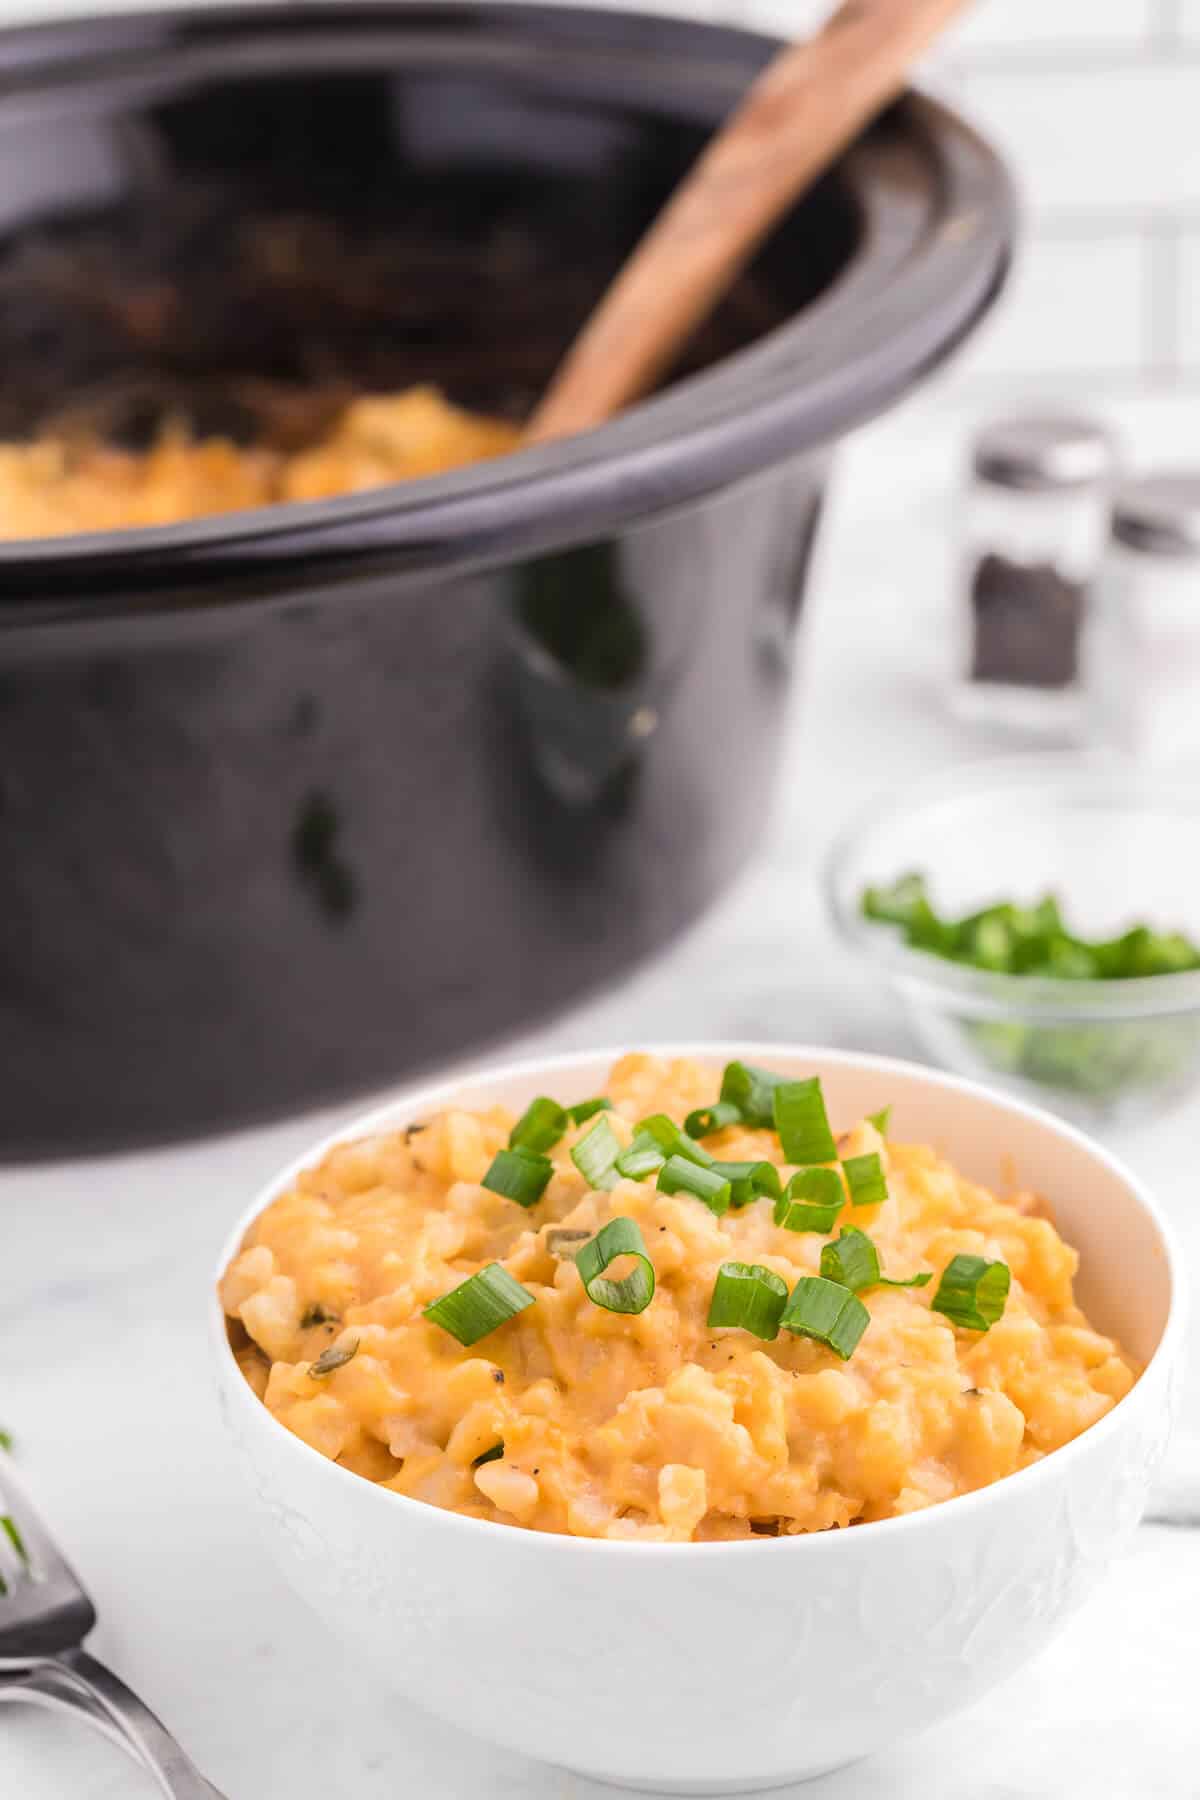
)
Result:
{"points": [[809, 103]]}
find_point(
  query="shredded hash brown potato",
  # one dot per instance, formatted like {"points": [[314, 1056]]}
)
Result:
{"points": [[653, 1426], [52, 487]]}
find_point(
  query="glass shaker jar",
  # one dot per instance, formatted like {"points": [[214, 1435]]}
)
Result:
{"points": [[1036, 520], [1142, 649]]}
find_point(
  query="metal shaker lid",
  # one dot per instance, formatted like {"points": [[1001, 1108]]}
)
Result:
{"points": [[1039, 452], [1159, 513]]}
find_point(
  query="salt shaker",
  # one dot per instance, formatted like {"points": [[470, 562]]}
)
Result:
{"points": [[1142, 649], [1036, 519]]}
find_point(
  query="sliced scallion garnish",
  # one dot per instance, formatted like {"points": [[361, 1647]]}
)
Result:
{"points": [[881, 1120], [634, 1292], [828, 1313], [854, 1261], [811, 1202], [865, 1179], [750, 1181], [479, 1304], [748, 1296], [679, 1176], [595, 1156], [802, 1122], [492, 1455], [752, 1091], [584, 1110], [672, 1140], [707, 1119], [520, 1175], [644, 1156], [539, 1127], [972, 1292]]}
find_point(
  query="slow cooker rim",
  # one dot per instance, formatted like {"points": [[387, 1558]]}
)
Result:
{"points": [[704, 432]]}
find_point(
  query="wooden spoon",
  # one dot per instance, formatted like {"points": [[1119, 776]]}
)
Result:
{"points": [[810, 102]]}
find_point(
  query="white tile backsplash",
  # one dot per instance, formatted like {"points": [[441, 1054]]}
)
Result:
{"points": [[1049, 322], [1184, 18], [1097, 105], [1112, 139], [1025, 26]]}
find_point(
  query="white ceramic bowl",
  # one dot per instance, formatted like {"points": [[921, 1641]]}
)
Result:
{"points": [[719, 1668]]}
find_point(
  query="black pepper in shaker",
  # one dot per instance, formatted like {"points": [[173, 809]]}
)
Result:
{"points": [[1035, 526]]}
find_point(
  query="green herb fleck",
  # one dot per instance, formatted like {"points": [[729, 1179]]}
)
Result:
{"points": [[336, 1357]]}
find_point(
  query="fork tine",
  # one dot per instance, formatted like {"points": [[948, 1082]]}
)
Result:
{"points": [[45, 1607]]}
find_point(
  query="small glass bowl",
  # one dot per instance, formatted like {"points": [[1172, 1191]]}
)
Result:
{"points": [[1117, 848]]}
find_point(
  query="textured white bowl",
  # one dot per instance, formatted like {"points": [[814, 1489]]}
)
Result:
{"points": [[720, 1668]]}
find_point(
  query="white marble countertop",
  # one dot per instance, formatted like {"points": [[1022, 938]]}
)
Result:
{"points": [[105, 1265]]}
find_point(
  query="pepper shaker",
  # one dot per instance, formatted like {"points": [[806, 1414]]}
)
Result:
{"points": [[1142, 648], [1035, 527]]}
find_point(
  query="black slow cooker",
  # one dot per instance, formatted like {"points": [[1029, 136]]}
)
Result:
{"points": [[297, 799]]}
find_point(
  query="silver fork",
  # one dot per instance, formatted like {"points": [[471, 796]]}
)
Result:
{"points": [[45, 1614]]}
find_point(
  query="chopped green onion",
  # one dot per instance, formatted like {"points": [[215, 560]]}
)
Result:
{"points": [[539, 1127], [972, 1292], [587, 1109], [656, 1140], [749, 1296], [802, 1122], [881, 1120], [672, 1140], [865, 1179], [827, 1312], [853, 1260], [595, 1156], [335, 1357], [679, 1176], [519, 1175], [812, 1201], [750, 1181], [707, 1119], [479, 1304], [492, 1455], [905, 903], [644, 1156], [633, 1293], [1027, 940], [8, 1525], [6, 1440], [752, 1091]]}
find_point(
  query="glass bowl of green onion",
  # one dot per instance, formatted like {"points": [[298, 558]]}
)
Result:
{"points": [[1039, 920]]}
